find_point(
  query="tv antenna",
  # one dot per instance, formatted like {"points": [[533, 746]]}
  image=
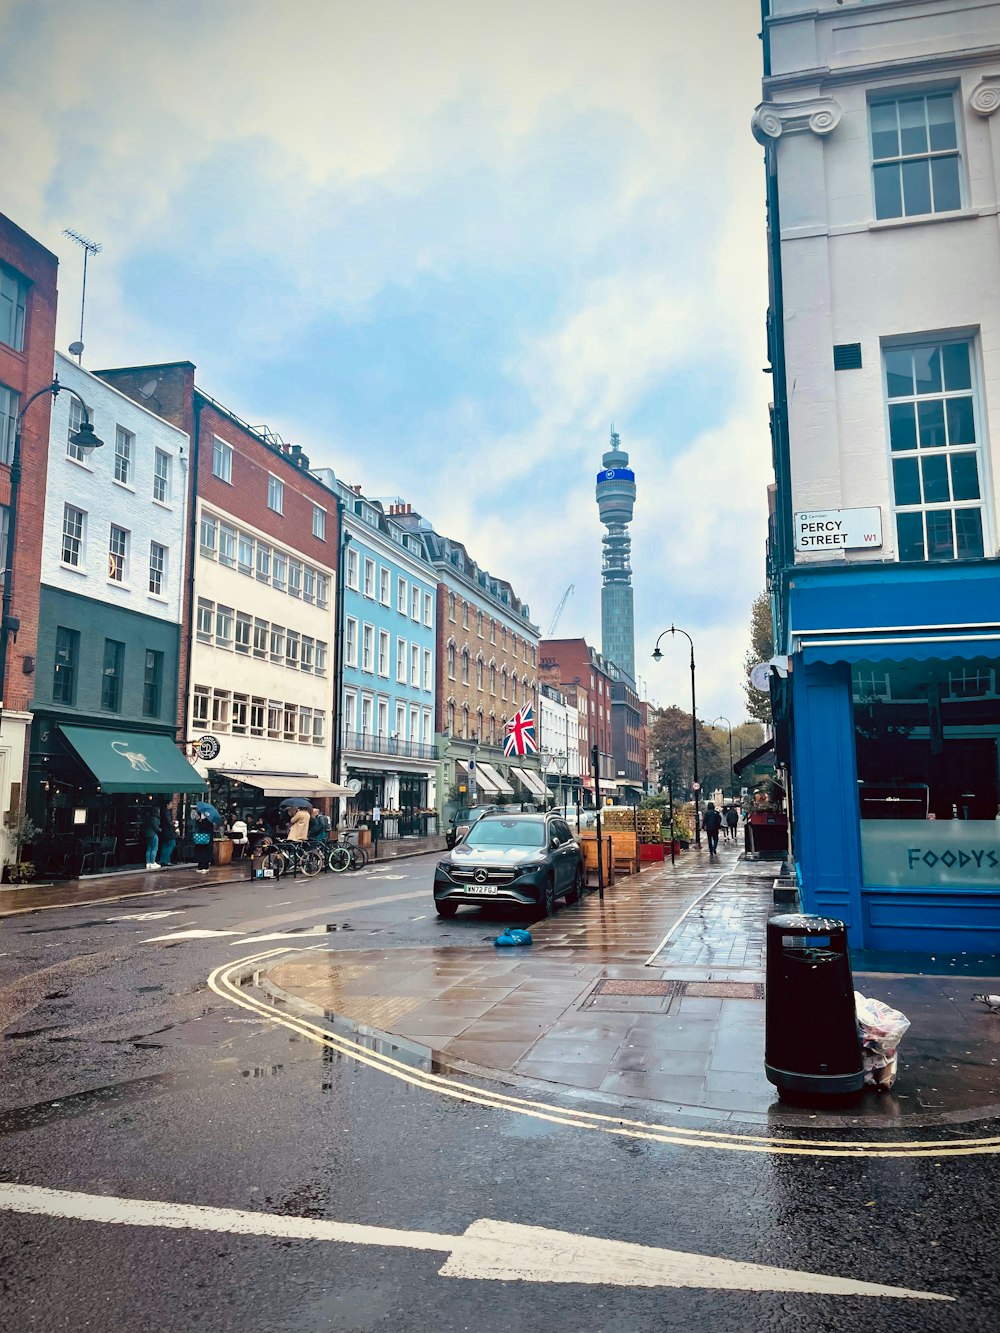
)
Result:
{"points": [[88, 247]]}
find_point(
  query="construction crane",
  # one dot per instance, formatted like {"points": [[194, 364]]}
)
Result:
{"points": [[559, 610]]}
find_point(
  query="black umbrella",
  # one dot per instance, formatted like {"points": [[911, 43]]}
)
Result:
{"points": [[295, 803]]}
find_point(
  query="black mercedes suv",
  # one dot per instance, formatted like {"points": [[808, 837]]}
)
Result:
{"points": [[520, 859]]}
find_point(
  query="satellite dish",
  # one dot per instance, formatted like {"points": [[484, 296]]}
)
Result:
{"points": [[148, 389], [76, 349]]}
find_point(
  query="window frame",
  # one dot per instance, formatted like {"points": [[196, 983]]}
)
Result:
{"points": [[319, 522], [118, 558], [162, 477], [275, 494], [222, 460], [158, 556], [979, 449], [65, 666], [124, 449], [902, 159]]}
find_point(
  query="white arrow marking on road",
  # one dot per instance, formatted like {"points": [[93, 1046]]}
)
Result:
{"points": [[146, 916], [189, 935], [487, 1250]]}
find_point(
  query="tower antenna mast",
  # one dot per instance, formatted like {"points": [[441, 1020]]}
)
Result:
{"points": [[88, 247]]}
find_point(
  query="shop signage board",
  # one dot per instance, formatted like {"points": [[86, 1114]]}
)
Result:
{"points": [[925, 853], [838, 529]]}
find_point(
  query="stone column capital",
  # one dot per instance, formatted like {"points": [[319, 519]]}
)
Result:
{"points": [[819, 115], [985, 97]]}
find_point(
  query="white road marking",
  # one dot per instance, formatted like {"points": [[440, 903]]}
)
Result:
{"points": [[222, 982], [146, 916], [282, 935], [189, 935], [486, 1250]]}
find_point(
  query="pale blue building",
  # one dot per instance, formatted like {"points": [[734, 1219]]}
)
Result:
{"points": [[389, 663]]}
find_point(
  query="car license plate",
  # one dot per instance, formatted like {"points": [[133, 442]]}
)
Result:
{"points": [[480, 888]]}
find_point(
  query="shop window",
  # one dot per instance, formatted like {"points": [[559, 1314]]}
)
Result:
{"points": [[934, 442], [927, 765]]}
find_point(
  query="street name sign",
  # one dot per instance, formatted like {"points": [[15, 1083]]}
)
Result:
{"points": [[843, 529]]}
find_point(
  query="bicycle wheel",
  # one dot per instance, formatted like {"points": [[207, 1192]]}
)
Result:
{"points": [[311, 861], [338, 859], [359, 858]]}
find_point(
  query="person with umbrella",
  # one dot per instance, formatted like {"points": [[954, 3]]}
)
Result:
{"points": [[298, 827], [205, 820]]}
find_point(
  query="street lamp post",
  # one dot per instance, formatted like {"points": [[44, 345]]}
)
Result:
{"points": [[657, 656], [723, 718], [85, 439]]}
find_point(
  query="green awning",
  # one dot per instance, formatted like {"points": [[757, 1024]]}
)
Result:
{"points": [[134, 761]]}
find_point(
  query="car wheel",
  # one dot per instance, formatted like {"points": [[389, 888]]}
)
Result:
{"points": [[549, 901], [575, 892], [445, 908]]}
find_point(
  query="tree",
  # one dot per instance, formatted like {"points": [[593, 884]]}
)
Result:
{"points": [[761, 650], [670, 745]]}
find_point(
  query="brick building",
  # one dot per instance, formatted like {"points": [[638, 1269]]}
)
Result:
{"points": [[487, 669], [257, 663], [576, 663], [27, 346]]}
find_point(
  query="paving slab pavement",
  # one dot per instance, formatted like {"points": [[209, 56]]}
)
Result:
{"points": [[654, 995]]}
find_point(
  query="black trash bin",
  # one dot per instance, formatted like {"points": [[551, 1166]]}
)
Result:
{"points": [[811, 1032]]}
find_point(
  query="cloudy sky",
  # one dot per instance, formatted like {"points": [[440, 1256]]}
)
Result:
{"points": [[441, 246]]}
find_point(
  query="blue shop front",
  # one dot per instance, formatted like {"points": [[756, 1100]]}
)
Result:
{"points": [[895, 751]]}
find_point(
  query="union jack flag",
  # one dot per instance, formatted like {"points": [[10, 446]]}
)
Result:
{"points": [[521, 733]]}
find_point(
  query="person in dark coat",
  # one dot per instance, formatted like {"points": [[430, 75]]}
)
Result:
{"points": [[713, 822], [203, 831], [168, 835], [151, 832], [732, 821]]}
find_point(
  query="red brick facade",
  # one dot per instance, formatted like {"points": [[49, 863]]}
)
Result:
{"points": [[27, 371], [566, 661]]}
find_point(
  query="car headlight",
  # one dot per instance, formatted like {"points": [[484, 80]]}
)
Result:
{"points": [[445, 866], [529, 869]]}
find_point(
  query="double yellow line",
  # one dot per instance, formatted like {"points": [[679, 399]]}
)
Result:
{"points": [[224, 981]]}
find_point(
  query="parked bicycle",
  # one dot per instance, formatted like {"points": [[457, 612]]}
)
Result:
{"points": [[292, 858], [341, 856]]}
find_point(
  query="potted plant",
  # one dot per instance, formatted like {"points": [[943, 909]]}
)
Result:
{"points": [[22, 832]]}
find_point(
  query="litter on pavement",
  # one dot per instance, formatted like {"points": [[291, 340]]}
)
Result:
{"points": [[881, 1029]]}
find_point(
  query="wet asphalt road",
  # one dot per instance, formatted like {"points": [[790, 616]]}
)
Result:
{"points": [[122, 1074]]}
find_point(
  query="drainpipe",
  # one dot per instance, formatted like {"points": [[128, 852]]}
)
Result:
{"points": [[343, 538], [192, 555]]}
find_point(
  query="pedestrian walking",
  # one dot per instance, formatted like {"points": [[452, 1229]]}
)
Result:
{"points": [[713, 822], [151, 832], [168, 835], [732, 821], [376, 823], [203, 830]]}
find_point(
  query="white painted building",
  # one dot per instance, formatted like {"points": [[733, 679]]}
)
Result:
{"points": [[262, 649], [881, 132], [128, 501], [559, 731]]}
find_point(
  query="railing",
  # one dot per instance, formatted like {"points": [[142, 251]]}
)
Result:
{"points": [[368, 743]]}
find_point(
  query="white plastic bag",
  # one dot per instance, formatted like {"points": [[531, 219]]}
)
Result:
{"points": [[881, 1029]]}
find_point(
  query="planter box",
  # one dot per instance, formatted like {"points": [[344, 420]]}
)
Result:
{"points": [[650, 851], [222, 851]]}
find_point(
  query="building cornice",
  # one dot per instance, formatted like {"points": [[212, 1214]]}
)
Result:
{"points": [[906, 67]]}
